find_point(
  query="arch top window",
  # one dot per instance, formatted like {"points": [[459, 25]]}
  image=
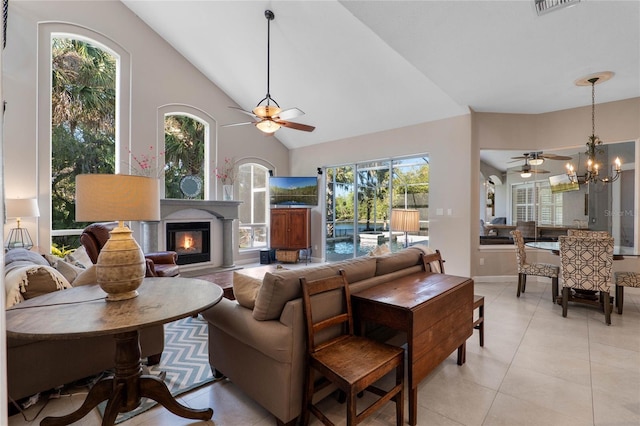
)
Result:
{"points": [[184, 171]]}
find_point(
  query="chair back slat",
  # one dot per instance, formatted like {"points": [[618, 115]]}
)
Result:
{"points": [[427, 258], [342, 320], [521, 254], [585, 233]]}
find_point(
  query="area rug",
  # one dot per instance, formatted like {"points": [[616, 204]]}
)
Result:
{"points": [[185, 360]]}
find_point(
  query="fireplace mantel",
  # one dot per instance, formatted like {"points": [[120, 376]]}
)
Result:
{"points": [[226, 211], [220, 209]]}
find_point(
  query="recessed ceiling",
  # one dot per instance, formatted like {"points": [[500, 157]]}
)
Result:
{"points": [[357, 67]]}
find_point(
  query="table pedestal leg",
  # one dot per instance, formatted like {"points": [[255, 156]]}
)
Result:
{"points": [[124, 390]]}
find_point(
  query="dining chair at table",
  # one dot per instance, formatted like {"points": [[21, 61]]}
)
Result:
{"points": [[537, 269], [622, 280], [585, 233], [585, 269]]}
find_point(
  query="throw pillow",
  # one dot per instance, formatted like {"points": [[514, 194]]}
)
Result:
{"points": [[245, 289], [68, 270], [88, 276], [79, 257], [31, 281]]}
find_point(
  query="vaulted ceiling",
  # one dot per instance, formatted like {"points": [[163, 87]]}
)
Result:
{"points": [[357, 67]]}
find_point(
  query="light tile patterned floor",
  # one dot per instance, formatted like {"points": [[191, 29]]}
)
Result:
{"points": [[536, 368]]}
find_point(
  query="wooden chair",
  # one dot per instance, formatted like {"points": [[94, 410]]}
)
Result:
{"points": [[478, 301], [350, 362], [538, 269], [585, 265], [622, 280], [427, 260]]}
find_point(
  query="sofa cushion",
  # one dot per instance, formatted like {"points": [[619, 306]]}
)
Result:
{"points": [[30, 281], [392, 262], [280, 287], [245, 289]]}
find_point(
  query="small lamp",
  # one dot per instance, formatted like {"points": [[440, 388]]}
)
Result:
{"points": [[405, 220], [121, 265], [18, 208]]}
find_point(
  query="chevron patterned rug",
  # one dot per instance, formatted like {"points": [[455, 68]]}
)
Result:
{"points": [[185, 361]]}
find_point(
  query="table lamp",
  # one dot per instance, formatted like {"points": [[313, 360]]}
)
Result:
{"points": [[405, 220], [121, 265], [18, 208]]}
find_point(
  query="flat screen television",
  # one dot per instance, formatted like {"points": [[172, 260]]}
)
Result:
{"points": [[562, 183], [293, 190]]}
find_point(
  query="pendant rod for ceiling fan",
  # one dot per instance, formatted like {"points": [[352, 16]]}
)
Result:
{"points": [[270, 16]]}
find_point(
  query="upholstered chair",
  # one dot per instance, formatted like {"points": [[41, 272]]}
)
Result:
{"points": [[159, 264], [622, 280], [585, 233], [585, 267], [537, 269]]}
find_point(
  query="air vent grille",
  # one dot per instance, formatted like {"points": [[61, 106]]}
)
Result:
{"points": [[546, 6]]}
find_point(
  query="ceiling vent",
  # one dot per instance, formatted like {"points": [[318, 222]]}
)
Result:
{"points": [[546, 6]]}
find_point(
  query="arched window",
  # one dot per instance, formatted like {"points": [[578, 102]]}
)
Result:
{"points": [[185, 151], [81, 106], [252, 183]]}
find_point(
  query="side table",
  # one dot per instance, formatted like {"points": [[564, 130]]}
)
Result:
{"points": [[83, 312]]}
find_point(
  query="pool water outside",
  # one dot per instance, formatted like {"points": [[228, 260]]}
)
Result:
{"points": [[340, 250]]}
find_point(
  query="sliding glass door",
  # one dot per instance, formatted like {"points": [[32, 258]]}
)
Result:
{"points": [[359, 202]]}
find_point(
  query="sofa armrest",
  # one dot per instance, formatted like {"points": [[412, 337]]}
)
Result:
{"points": [[162, 257]]}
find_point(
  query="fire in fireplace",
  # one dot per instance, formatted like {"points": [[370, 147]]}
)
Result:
{"points": [[191, 240]]}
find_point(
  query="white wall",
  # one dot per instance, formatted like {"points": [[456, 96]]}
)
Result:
{"points": [[158, 74], [448, 144]]}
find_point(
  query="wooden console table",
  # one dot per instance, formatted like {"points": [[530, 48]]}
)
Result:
{"points": [[83, 312], [436, 312]]}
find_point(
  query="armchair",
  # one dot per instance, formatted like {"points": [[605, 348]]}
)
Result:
{"points": [[159, 264]]}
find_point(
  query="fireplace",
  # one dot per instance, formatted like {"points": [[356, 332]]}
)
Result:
{"points": [[191, 240]]}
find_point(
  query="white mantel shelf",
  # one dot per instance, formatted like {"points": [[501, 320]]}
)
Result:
{"points": [[220, 209]]}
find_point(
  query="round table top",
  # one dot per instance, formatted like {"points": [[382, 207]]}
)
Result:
{"points": [[83, 311]]}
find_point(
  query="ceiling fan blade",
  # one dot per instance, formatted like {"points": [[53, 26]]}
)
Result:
{"points": [[538, 171], [244, 112], [290, 113], [295, 126], [238, 124], [555, 157]]}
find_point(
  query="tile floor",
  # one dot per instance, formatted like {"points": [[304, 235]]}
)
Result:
{"points": [[536, 368]]}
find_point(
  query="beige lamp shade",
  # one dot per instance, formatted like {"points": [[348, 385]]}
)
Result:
{"points": [[121, 264], [103, 197], [22, 207], [405, 220]]}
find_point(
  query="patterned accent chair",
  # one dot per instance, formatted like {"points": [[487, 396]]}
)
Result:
{"points": [[537, 269], [585, 233], [622, 280], [585, 266]]}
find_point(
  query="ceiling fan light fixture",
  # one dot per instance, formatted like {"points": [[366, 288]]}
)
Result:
{"points": [[268, 126], [536, 161], [264, 111], [525, 175]]}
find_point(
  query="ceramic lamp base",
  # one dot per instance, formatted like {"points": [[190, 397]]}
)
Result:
{"points": [[121, 265]]}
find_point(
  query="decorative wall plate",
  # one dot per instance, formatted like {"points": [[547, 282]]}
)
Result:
{"points": [[191, 186]]}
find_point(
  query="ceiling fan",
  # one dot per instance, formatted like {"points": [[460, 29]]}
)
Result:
{"points": [[526, 171], [537, 157], [267, 114]]}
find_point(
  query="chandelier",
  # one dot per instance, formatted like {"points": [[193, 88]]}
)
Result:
{"points": [[592, 174]]}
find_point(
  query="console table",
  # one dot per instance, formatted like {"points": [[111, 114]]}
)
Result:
{"points": [[436, 312], [83, 312]]}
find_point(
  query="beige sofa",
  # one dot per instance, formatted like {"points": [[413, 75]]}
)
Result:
{"points": [[38, 366], [262, 350]]}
